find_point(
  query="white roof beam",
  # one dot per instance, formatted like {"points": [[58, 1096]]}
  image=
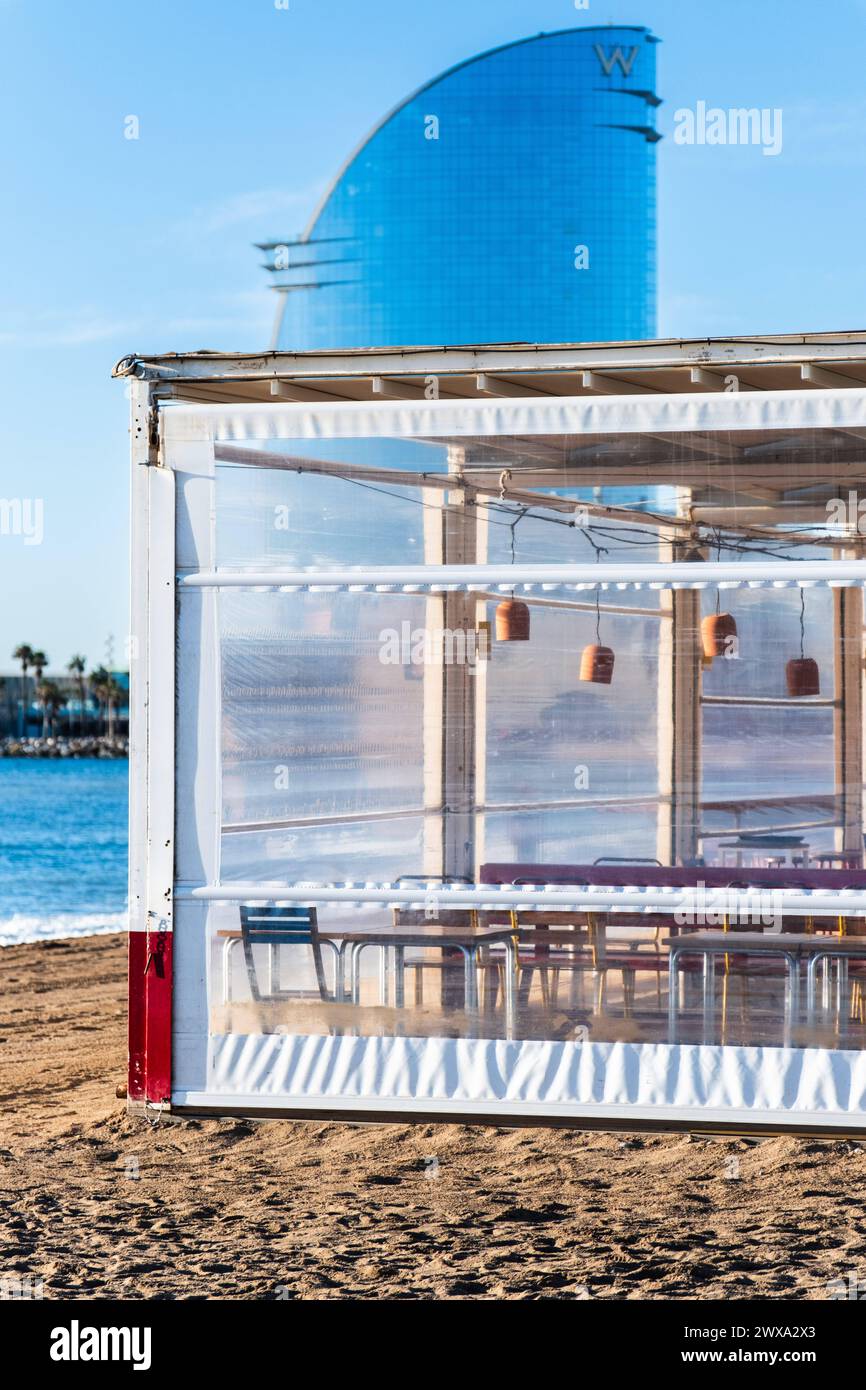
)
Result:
{"points": [[820, 376], [293, 391], [487, 385], [389, 389], [606, 385], [717, 381]]}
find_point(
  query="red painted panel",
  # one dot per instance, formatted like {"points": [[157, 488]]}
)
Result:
{"points": [[150, 985]]}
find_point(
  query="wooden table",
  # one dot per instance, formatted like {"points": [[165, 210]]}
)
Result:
{"points": [[844, 859], [792, 846]]}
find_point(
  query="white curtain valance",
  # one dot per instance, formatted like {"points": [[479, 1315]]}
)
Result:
{"points": [[719, 411]]}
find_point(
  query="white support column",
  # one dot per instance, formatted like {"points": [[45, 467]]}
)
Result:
{"points": [[197, 764], [141, 411]]}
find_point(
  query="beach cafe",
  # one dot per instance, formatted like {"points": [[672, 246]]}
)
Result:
{"points": [[497, 734]]}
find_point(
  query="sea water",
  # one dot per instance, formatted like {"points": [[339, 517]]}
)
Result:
{"points": [[63, 847]]}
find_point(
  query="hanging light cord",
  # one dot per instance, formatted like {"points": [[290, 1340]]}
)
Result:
{"points": [[598, 617], [802, 622], [514, 525], [645, 536]]}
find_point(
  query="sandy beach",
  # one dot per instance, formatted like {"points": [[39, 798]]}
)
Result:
{"points": [[99, 1205]]}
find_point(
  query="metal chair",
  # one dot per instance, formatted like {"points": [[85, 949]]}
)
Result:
{"points": [[285, 926], [535, 955], [452, 983]]}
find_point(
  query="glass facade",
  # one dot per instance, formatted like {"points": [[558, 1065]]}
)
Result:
{"points": [[512, 199]]}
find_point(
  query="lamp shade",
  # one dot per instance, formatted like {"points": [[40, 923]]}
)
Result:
{"points": [[801, 676], [596, 665], [512, 621], [716, 632]]}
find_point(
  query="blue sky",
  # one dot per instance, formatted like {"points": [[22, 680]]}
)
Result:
{"points": [[110, 245]]}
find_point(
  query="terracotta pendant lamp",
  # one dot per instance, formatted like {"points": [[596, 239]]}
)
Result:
{"points": [[512, 616], [717, 629], [801, 673], [596, 663], [512, 621]]}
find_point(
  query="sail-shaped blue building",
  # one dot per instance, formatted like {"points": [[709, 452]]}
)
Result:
{"points": [[511, 199]]}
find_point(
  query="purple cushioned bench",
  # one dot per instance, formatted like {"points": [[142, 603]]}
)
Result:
{"points": [[663, 876]]}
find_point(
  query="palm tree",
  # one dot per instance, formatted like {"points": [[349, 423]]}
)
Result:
{"points": [[76, 666], [52, 699], [24, 654], [114, 693], [99, 681], [39, 661]]}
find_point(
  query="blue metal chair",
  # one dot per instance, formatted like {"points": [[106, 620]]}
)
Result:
{"points": [[285, 926]]}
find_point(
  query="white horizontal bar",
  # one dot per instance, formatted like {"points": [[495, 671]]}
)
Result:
{"points": [[336, 818], [772, 701], [495, 898], [694, 1116], [658, 576]]}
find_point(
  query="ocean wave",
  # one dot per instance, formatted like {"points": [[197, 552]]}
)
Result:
{"points": [[21, 927]]}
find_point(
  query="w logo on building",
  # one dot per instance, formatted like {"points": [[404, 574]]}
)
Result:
{"points": [[609, 59]]}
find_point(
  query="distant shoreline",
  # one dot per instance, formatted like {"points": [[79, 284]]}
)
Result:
{"points": [[90, 746]]}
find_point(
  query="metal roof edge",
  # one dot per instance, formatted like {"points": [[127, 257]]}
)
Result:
{"points": [[506, 356]]}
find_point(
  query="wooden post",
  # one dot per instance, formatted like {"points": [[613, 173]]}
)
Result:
{"points": [[679, 722], [454, 695], [848, 717], [454, 684]]}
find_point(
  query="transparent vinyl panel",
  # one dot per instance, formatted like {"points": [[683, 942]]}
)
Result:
{"points": [[499, 732]]}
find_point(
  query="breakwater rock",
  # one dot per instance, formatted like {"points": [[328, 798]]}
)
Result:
{"points": [[92, 746]]}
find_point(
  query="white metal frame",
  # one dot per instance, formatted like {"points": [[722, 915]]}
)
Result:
{"points": [[452, 1075], [416, 578]]}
